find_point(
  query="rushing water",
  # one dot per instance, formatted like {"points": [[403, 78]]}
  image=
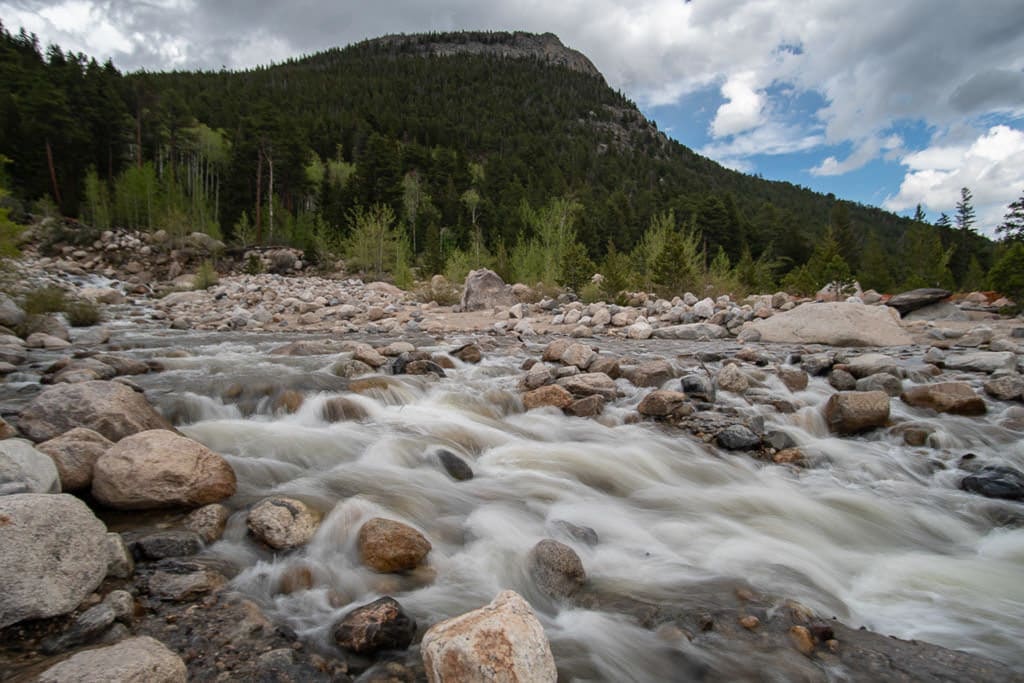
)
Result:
{"points": [[873, 532]]}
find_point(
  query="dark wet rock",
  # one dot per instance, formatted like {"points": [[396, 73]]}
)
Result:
{"points": [[282, 523], [789, 456], [163, 544], [380, 625], [881, 382], [945, 397], [851, 412], [589, 406], [651, 374], [110, 408], [556, 569], [343, 409], [468, 353], [699, 387], [54, 554], [389, 546], [457, 468], [905, 302], [1005, 388], [995, 481], [583, 534], [737, 438], [841, 380], [913, 433]]}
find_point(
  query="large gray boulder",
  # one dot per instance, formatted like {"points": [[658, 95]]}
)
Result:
{"points": [[54, 554], [23, 469], [110, 408], [158, 468], [501, 641], [835, 324], [485, 289], [135, 660]]}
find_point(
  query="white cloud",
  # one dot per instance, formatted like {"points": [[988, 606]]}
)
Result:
{"points": [[742, 109], [771, 139], [992, 166]]}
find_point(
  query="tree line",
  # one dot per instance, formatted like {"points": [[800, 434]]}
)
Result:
{"points": [[412, 165]]}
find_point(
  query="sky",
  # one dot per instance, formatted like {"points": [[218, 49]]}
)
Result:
{"points": [[892, 103]]}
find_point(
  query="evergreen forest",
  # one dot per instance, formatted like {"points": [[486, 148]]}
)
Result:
{"points": [[408, 163]]}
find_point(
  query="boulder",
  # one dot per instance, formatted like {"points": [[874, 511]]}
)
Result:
{"points": [[640, 330], [343, 409], [550, 395], [167, 543], [556, 569], [945, 397], [882, 381], [871, 364], [737, 438], [23, 469], [54, 555], [938, 311], [691, 332], [468, 353], [134, 660], [75, 453], [905, 302], [835, 324], [850, 412], [731, 378], [501, 641], [981, 361], [661, 403], [1006, 388], [183, 580], [208, 521], [651, 374], [389, 546], [485, 289], [841, 380], [110, 408], [795, 379], [579, 355], [553, 351], [158, 468], [380, 625], [698, 386], [590, 384], [11, 314], [588, 406], [282, 523]]}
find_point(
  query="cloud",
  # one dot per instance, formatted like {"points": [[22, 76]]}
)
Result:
{"points": [[864, 153], [771, 138], [743, 108], [992, 166]]}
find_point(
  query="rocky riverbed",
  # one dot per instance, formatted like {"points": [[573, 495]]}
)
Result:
{"points": [[301, 478]]}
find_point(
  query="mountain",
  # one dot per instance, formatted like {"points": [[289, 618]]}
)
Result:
{"points": [[516, 118]]}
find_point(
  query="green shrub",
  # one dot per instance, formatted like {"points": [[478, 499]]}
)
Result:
{"points": [[206, 276], [49, 299], [253, 265], [82, 313]]}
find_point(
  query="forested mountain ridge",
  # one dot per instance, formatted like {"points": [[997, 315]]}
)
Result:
{"points": [[462, 137]]}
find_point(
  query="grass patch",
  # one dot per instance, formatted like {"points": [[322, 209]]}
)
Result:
{"points": [[48, 299], [82, 314]]}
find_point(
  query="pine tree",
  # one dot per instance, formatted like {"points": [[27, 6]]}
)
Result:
{"points": [[965, 215], [1012, 227]]}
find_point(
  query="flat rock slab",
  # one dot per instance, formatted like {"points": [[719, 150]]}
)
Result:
{"points": [[835, 324], [905, 302]]}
